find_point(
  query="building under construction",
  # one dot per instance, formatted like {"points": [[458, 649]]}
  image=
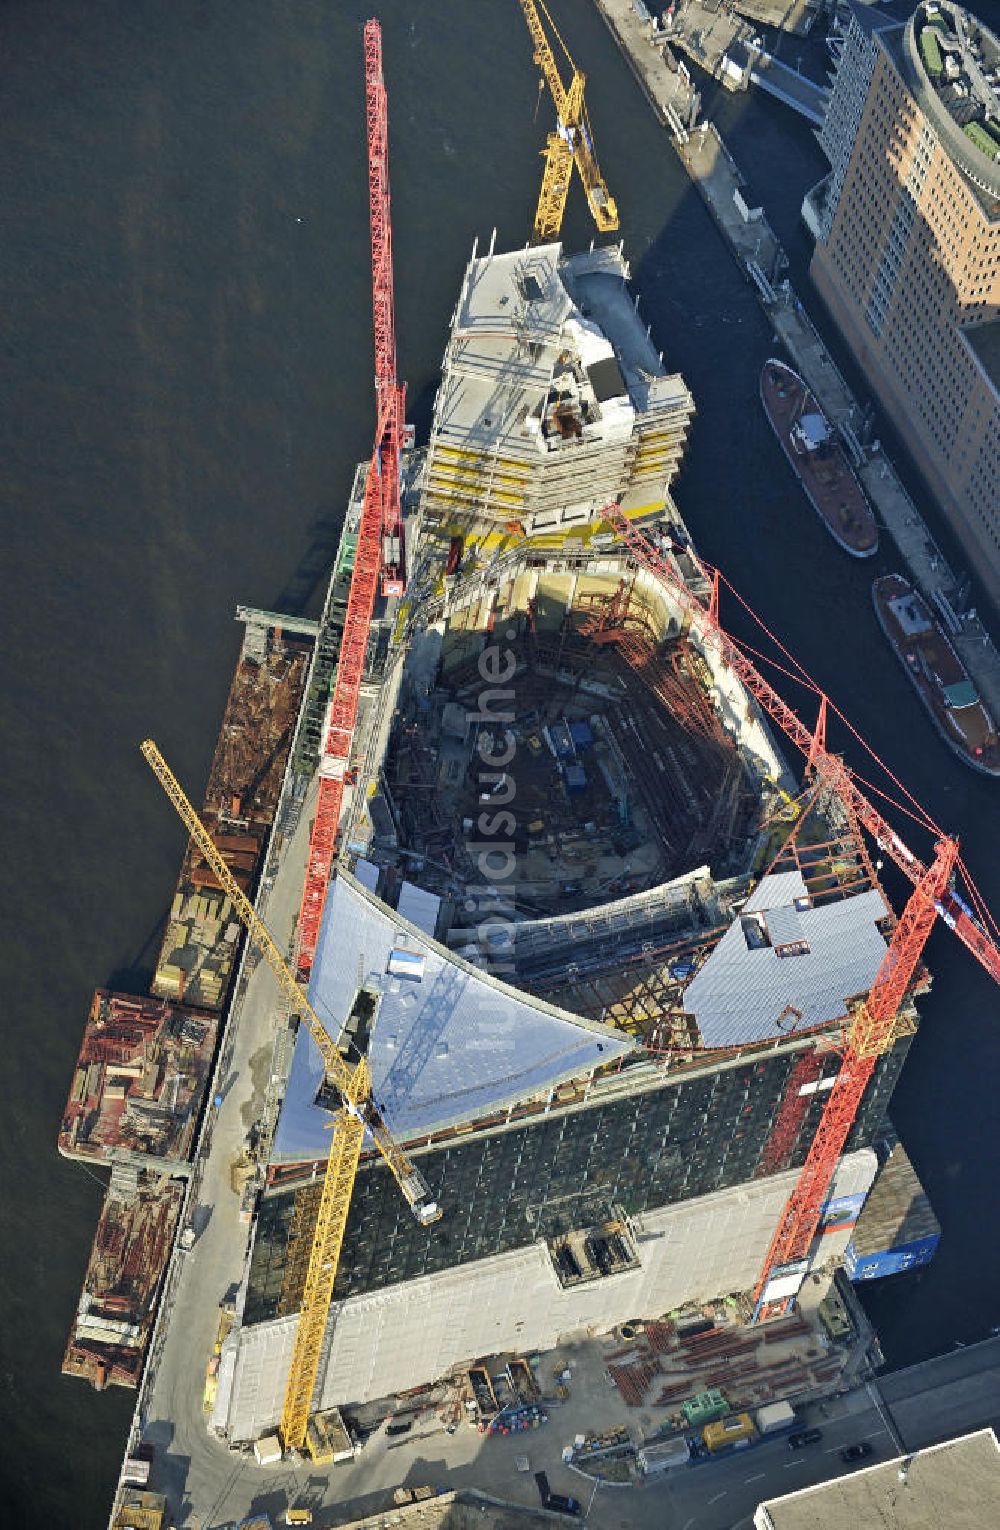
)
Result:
{"points": [[596, 952]]}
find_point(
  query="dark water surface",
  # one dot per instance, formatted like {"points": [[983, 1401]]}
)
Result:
{"points": [[187, 386]]}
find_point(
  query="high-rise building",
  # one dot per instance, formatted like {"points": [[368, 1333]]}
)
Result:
{"points": [[603, 1036], [907, 257], [553, 401]]}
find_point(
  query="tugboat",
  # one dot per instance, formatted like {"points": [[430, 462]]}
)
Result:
{"points": [[822, 468], [937, 674]]}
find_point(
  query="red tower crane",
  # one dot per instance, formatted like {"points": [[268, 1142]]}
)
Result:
{"points": [[380, 533], [875, 1023], [390, 397]]}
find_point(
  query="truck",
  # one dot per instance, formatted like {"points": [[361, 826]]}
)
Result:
{"points": [[773, 1417], [725, 1433]]}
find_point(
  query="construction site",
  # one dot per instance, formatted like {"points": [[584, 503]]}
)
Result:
{"points": [[595, 950], [140, 1078], [114, 1318], [558, 1072], [202, 937], [138, 1089]]}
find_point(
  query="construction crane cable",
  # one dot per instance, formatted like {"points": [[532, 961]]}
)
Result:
{"points": [[979, 902], [810, 741], [900, 807], [764, 658], [924, 817]]}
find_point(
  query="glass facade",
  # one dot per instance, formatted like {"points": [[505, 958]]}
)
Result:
{"points": [[685, 1137]]}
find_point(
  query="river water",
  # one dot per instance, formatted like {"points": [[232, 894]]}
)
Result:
{"points": [[187, 369]]}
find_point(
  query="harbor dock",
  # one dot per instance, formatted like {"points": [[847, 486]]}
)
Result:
{"points": [[756, 248]]}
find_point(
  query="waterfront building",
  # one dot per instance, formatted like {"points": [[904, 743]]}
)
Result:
{"points": [[553, 398], [602, 1035], [907, 258]]}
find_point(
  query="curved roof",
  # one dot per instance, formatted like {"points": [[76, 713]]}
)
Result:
{"points": [[967, 59], [785, 966], [450, 1043]]}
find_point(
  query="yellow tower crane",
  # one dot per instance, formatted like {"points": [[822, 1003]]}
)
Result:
{"points": [[571, 143], [359, 1113]]}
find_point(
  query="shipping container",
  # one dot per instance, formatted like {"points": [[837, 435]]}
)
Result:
{"points": [[267, 1450], [664, 1455], [890, 1261]]}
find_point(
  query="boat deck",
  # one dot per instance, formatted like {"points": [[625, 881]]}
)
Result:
{"points": [[823, 470], [937, 673]]}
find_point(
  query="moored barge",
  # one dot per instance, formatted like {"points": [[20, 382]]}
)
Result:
{"points": [[823, 470], [936, 673]]}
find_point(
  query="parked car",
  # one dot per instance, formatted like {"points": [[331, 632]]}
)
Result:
{"points": [[857, 1452], [804, 1437]]}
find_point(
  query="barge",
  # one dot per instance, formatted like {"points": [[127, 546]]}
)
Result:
{"points": [[139, 1079], [203, 936], [808, 441], [937, 674], [139, 1084]]}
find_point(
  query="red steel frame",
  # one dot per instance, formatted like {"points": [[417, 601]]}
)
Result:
{"points": [[380, 533], [871, 1034], [791, 1113], [874, 1025]]}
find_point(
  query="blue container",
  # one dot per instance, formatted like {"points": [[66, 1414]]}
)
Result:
{"points": [[890, 1261]]}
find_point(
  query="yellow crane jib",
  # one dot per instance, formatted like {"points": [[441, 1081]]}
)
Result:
{"points": [[573, 141], [359, 1114], [338, 1071]]}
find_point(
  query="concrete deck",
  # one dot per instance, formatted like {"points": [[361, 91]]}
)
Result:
{"points": [[906, 1411], [191, 1464]]}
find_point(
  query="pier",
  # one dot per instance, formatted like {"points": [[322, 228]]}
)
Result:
{"points": [[788, 85], [756, 248]]}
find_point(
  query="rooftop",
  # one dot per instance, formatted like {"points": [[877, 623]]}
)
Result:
{"points": [[784, 966], [450, 1042], [952, 63], [538, 336], [950, 1484]]}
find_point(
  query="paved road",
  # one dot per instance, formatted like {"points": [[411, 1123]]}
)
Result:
{"points": [[209, 1486], [193, 1467], [945, 1397]]}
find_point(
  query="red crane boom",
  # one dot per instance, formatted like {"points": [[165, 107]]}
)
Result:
{"points": [[380, 533], [875, 1024], [872, 1032], [389, 395]]}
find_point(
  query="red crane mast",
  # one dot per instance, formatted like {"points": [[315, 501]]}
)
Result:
{"points": [[380, 532], [875, 1023]]}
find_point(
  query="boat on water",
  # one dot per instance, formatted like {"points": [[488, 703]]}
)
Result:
{"points": [[823, 470], [937, 673]]}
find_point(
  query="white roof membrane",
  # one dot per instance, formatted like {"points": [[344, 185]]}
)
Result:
{"points": [[752, 988], [450, 1044]]}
